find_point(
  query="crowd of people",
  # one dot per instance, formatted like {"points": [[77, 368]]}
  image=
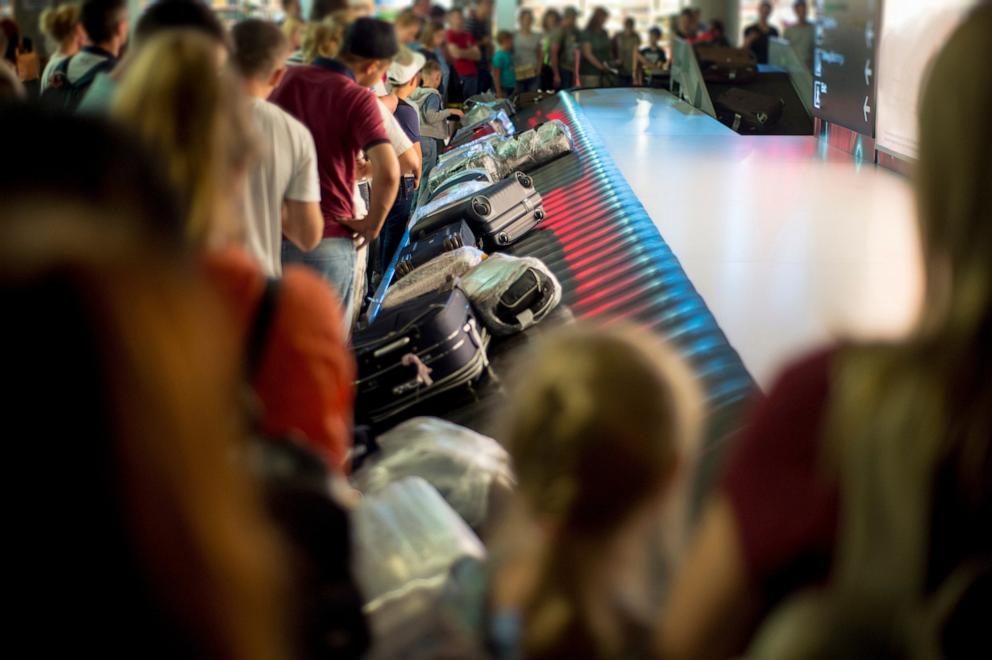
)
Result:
{"points": [[184, 229]]}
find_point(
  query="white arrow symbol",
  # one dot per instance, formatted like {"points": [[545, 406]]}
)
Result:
{"points": [[868, 72], [867, 109], [869, 33]]}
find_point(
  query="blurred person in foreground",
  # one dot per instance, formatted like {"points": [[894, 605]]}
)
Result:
{"points": [[867, 472], [802, 34], [282, 198], [159, 17], [194, 114], [756, 35], [602, 429], [158, 544]]}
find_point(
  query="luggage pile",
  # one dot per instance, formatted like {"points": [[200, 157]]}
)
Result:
{"points": [[449, 290]]}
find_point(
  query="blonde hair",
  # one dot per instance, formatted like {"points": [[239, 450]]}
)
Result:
{"points": [[325, 37], [193, 113], [600, 421], [59, 23]]}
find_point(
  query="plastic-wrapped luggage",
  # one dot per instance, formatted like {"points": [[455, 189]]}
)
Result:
{"points": [[438, 274], [510, 294], [458, 152], [465, 467], [410, 547], [536, 147], [415, 351], [498, 123], [484, 158], [446, 239], [454, 193]]}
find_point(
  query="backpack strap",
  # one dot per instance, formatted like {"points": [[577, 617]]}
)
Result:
{"points": [[261, 326], [87, 78]]}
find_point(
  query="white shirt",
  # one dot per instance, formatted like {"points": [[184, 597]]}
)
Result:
{"points": [[286, 170], [53, 63]]}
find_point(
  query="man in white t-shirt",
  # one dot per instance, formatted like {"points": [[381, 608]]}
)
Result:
{"points": [[282, 196]]}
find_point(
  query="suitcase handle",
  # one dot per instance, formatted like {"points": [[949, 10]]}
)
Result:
{"points": [[389, 348]]}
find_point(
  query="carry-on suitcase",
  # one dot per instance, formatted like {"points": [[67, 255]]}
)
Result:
{"points": [[499, 215], [726, 65], [445, 239], [748, 112], [416, 351], [510, 294]]}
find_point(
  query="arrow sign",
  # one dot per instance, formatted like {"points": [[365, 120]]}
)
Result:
{"points": [[867, 109], [868, 72]]}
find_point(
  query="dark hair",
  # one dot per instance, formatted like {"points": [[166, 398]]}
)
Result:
{"points": [[687, 12], [257, 47], [10, 34], [437, 13], [100, 18], [370, 39], [716, 25], [549, 14], [321, 9], [118, 174], [173, 14], [655, 32], [504, 35]]}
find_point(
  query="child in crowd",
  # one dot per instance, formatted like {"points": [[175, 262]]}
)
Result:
{"points": [[433, 115], [652, 59], [505, 75], [601, 423]]}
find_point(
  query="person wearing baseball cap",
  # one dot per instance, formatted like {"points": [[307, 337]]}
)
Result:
{"points": [[403, 76], [332, 98]]}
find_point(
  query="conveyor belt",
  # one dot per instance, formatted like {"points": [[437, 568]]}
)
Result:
{"points": [[614, 266]]}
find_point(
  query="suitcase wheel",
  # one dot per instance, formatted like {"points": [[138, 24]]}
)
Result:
{"points": [[539, 215], [524, 180], [502, 238], [481, 207]]}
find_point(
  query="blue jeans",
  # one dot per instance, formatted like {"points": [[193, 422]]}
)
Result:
{"points": [[395, 225], [567, 78], [334, 260]]}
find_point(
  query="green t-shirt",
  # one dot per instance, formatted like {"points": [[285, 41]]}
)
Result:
{"points": [[567, 41], [600, 41], [503, 62]]}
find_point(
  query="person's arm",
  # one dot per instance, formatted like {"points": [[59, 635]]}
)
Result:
{"points": [[302, 220], [385, 183], [410, 162], [498, 73], [712, 605], [751, 35], [555, 53], [303, 223]]}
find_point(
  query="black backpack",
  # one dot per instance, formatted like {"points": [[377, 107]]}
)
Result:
{"points": [[61, 94]]}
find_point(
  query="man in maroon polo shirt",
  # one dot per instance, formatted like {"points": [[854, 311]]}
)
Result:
{"points": [[332, 98]]}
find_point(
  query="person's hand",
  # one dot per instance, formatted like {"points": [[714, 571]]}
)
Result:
{"points": [[364, 234], [556, 81], [455, 112]]}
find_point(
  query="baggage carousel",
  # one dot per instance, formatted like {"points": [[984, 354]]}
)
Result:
{"points": [[614, 266]]}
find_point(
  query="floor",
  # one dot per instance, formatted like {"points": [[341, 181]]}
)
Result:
{"points": [[790, 243]]}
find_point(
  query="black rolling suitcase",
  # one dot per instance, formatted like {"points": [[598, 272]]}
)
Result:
{"points": [[416, 351], [499, 215], [445, 239], [726, 65], [748, 112]]}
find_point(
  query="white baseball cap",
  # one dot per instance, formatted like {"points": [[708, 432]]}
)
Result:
{"points": [[405, 66]]}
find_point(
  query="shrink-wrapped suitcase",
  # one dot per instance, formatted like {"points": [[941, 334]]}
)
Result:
{"points": [[510, 294], [416, 351], [467, 469], [438, 274]]}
